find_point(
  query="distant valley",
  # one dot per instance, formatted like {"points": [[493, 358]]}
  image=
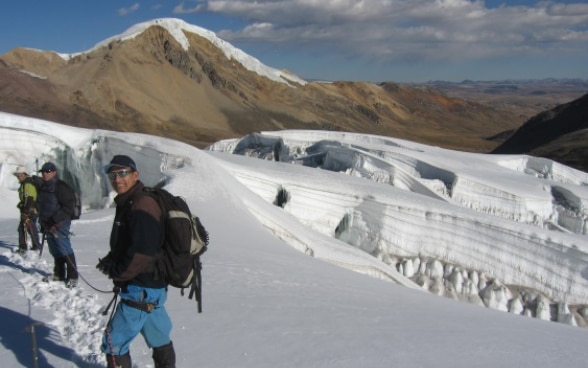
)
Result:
{"points": [[526, 98], [176, 80]]}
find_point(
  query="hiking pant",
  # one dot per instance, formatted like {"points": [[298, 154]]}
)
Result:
{"points": [[128, 321], [32, 230], [64, 259], [58, 242]]}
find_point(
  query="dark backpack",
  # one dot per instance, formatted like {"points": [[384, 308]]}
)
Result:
{"points": [[37, 182], [77, 211], [185, 240]]}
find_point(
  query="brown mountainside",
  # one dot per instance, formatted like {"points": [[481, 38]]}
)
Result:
{"points": [[151, 84], [559, 134]]}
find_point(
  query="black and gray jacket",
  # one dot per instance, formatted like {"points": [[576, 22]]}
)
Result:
{"points": [[56, 203], [136, 239]]}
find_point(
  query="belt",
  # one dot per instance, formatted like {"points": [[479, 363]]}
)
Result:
{"points": [[145, 307]]}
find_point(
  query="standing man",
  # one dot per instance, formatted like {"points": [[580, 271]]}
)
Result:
{"points": [[27, 204], [136, 238], [56, 205]]}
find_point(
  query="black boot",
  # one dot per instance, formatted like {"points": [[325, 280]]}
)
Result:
{"points": [[22, 239], [59, 269], [72, 270], [122, 361], [164, 356]]}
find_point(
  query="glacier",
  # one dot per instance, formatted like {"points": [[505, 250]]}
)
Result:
{"points": [[504, 231]]}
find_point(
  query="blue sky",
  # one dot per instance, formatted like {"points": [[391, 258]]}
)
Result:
{"points": [[369, 40]]}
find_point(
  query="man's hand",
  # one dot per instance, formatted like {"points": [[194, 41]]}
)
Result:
{"points": [[105, 264], [48, 227]]}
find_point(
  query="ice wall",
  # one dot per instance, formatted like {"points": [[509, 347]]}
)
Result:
{"points": [[79, 155], [451, 222], [507, 232], [525, 189]]}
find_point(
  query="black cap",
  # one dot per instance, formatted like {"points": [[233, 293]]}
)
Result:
{"points": [[120, 161], [48, 166]]}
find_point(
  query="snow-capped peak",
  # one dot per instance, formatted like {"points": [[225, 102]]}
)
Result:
{"points": [[176, 28]]}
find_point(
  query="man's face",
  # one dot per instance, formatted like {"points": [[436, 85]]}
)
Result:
{"points": [[48, 174], [21, 177], [122, 179]]}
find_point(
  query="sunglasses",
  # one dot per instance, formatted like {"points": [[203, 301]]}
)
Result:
{"points": [[47, 171], [118, 174]]}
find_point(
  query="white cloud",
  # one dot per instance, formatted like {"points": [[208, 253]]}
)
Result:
{"points": [[182, 9], [453, 28], [131, 9]]}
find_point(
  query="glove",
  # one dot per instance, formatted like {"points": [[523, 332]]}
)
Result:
{"points": [[48, 227], [24, 217], [105, 264]]}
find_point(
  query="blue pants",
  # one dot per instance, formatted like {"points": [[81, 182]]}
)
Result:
{"points": [[59, 243], [128, 321]]}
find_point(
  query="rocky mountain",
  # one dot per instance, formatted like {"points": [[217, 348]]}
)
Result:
{"points": [[169, 78], [560, 134]]}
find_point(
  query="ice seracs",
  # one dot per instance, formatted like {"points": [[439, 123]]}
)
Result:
{"points": [[507, 232], [366, 203]]}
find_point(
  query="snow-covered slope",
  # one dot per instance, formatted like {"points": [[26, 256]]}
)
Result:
{"points": [[507, 232], [267, 304]]}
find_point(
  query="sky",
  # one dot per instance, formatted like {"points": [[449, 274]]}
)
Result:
{"points": [[314, 283], [358, 40]]}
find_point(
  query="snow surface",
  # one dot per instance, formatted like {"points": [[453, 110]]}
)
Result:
{"points": [[177, 27], [507, 232]]}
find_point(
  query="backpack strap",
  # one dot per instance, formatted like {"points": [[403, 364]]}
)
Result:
{"points": [[196, 286], [152, 192]]}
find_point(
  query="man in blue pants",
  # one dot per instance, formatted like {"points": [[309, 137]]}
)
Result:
{"points": [[56, 205], [136, 238]]}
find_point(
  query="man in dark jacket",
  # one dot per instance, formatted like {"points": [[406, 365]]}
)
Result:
{"points": [[56, 205], [27, 204], [136, 239]]}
